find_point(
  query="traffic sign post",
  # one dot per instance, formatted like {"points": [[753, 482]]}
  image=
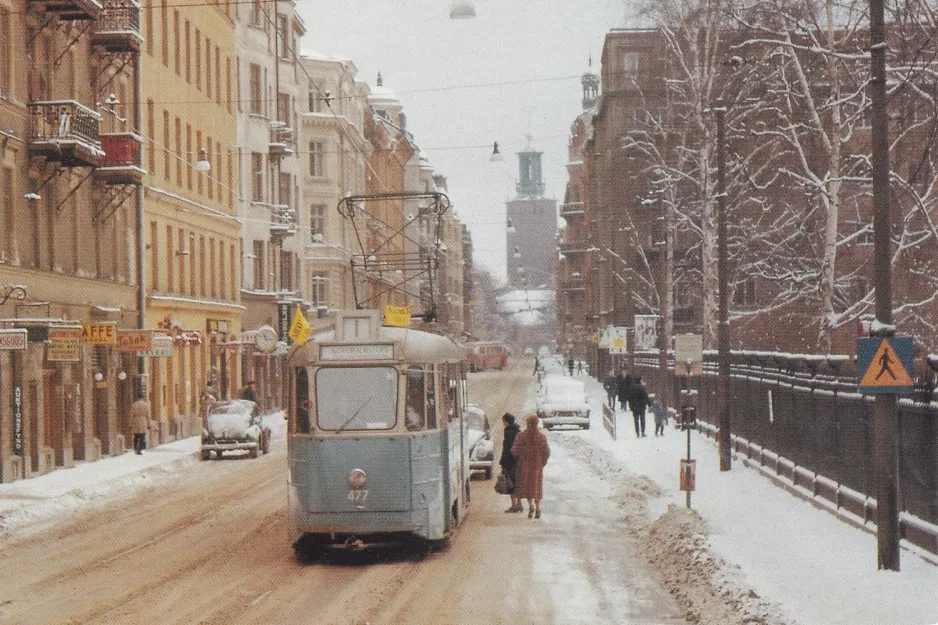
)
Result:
{"points": [[884, 365]]}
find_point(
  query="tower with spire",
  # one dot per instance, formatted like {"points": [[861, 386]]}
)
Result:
{"points": [[590, 82]]}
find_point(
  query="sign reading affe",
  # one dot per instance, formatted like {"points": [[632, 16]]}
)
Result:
{"points": [[103, 333]]}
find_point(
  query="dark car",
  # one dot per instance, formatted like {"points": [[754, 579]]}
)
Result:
{"points": [[234, 425]]}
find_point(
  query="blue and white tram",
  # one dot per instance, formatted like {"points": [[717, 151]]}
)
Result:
{"points": [[376, 435]]}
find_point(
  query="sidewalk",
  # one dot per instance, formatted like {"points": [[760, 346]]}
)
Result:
{"points": [[821, 569]]}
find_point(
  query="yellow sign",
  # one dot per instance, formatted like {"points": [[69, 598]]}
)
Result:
{"points": [[104, 333], [299, 328], [134, 340], [64, 344], [886, 368], [398, 316]]}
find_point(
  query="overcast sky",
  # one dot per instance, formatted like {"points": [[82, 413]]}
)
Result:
{"points": [[464, 84]]}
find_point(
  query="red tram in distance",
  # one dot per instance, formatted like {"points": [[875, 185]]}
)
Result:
{"points": [[485, 355]]}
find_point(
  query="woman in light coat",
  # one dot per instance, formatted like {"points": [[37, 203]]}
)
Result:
{"points": [[532, 451]]}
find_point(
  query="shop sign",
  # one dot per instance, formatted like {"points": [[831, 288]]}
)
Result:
{"points": [[18, 419], [284, 320], [64, 344], [216, 326], [100, 333], [13, 339], [134, 340], [162, 348]]}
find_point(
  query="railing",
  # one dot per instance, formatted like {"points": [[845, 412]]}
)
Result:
{"points": [[64, 121], [572, 247], [571, 208], [118, 17], [802, 419], [572, 284], [283, 220], [609, 420], [121, 149]]}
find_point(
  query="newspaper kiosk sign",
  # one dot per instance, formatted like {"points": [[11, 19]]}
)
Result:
{"points": [[884, 364]]}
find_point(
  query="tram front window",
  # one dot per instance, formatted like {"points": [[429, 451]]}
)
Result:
{"points": [[356, 398]]}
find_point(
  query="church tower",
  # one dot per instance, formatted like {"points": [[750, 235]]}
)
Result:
{"points": [[590, 82]]}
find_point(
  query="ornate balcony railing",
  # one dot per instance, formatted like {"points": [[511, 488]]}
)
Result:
{"points": [[117, 28], [66, 131], [281, 140]]}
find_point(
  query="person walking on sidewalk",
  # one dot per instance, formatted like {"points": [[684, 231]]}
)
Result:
{"points": [[508, 461], [623, 388], [658, 413], [612, 389], [532, 451], [638, 404], [140, 423]]}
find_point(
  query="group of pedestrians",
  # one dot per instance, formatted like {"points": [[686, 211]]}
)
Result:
{"points": [[630, 392], [524, 455]]}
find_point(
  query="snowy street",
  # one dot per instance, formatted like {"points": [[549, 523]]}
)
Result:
{"points": [[165, 538]]}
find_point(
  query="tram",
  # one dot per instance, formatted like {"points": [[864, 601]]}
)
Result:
{"points": [[376, 437]]}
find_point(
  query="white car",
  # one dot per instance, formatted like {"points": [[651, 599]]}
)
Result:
{"points": [[234, 425], [479, 441], [561, 400]]}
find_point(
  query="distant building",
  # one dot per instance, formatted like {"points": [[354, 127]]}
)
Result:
{"points": [[531, 250]]}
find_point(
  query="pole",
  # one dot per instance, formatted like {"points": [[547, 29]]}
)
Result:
{"points": [[885, 412], [140, 387], [723, 329], [688, 462], [663, 311]]}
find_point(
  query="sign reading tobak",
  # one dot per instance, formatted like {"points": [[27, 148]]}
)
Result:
{"points": [[134, 340]]}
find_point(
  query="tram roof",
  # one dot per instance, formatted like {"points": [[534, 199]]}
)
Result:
{"points": [[416, 345]]}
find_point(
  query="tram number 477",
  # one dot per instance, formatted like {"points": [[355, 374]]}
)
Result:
{"points": [[358, 496]]}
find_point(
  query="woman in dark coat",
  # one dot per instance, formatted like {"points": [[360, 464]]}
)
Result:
{"points": [[508, 461], [532, 452]]}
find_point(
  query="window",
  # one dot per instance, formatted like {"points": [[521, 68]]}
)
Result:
{"points": [[283, 36], [164, 38], [319, 289], [630, 65], [189, 160], [213, 268], [339, 401], [228, 83], [166, 157], [170, 257], [257, 177], [286, 270], [154, 257], [415, 412], [257, 14], [151, 133], [6, 53], [202, 266], [178, 151], [148, 13], [198, 59], [254, 95], [218, 170], [315, 102], [745, 293], [176, 54], [232, 271], [317, 222], [283, 108], [188, 43], [182, 252], [6, 212], [217, 75], [286, 186], [198, 148], [258, 265], [317, 156], [208, 148], [222, 277], [208, 68]]}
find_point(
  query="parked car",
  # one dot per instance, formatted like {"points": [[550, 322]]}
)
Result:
{"points": [[561, 400], [234, 425], [479, 441]]}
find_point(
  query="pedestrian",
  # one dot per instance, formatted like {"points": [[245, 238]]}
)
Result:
{"points": [[570, 366], [140, 423], [248, 392], [532, 451], [508, 462], [658, 413], [638, 404], [579, 367], [623, 388], [208, 400], [612, 389]]}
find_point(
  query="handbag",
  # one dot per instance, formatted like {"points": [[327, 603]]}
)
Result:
{"points": [[503, 483]]}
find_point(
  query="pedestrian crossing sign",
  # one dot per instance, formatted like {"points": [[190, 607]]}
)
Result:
{"points": [[884, 364]]}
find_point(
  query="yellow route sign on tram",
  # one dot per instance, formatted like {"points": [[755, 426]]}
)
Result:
{"points": [[887, 368]]}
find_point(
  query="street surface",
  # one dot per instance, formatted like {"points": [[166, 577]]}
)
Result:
{"points": [[211, 547]]}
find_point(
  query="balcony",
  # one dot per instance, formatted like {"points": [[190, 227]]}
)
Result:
{"points": [[65, 131], [72, 10], [281, 140], [571, 209], [574, 283], [572, 247], [121, 161], [282, 221], [117, 28]]}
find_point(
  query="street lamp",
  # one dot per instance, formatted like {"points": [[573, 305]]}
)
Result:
{"points": [[203, 164], [496, 156]]}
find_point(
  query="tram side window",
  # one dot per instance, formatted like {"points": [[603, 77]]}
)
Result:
{"points": [[416, 409], [301, 401], [452, 393], [431, 400]]}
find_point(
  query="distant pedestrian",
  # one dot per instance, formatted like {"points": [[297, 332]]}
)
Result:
{"points": [[532, 451], [623, 388], [658, 413], [612, 389], [248, 392], [208, 400], [638, 404], [570, 364], [579, 367], [508, 462], [140, 423]]}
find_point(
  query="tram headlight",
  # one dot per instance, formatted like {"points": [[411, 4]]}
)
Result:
{"points": [[357, 478]]}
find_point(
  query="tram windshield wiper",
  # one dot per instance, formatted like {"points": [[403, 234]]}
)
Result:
{"points": [[355, 414]]}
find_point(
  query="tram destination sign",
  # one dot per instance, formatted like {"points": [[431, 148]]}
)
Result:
{"points": [[360, 351]]}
